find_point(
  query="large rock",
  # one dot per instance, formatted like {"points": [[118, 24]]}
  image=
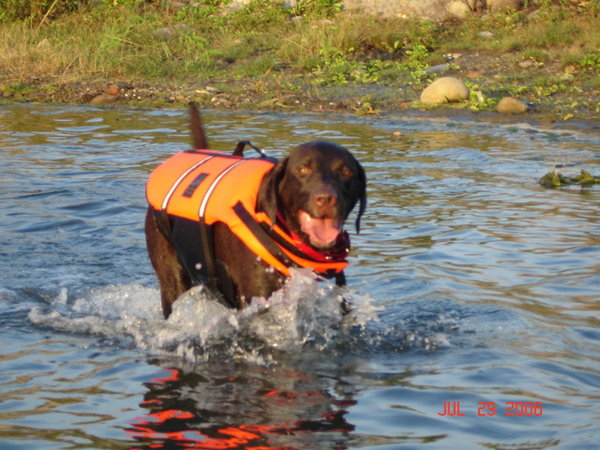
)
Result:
{"points": [[103, 100], [511, 105], [434, 10], [445, 90], [496, 5]]}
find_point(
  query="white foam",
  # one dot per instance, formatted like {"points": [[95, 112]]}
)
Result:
{"points": [[304, 312]]}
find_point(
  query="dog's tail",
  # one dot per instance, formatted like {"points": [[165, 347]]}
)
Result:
{"points": [[199, 140]]}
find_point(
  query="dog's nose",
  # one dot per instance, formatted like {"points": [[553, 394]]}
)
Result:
{"points": [[325, 197]]}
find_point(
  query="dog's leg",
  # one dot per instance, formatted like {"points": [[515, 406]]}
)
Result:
{"points": [[172, 277], [240, 273], [340, 279]]}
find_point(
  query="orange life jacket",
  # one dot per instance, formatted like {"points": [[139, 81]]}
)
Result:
{"points": [[193, 190]]}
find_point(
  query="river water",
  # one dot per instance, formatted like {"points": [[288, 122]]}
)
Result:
{"points": [[475, 320]]}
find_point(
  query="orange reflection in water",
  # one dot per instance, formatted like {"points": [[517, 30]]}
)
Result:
{"points": [[194, 427]]}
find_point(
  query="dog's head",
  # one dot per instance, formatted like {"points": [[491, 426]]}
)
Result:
{"points": [[314, 189]]}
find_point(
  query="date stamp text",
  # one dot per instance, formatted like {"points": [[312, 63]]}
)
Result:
{"points": [[491, 409]]}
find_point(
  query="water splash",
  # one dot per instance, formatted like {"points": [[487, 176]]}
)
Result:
{"points": [[305, 313]]}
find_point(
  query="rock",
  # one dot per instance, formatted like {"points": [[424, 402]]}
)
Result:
{"points": [[235, 5], [526, 64], [547, 121], [166, 34], [486, 35], [176, 6], [458, 9], [511, 105], [452, 56], [35, 95], [475, 74], [495, 5], [433, 10], [103, 99], [208, 90], [44, 45], [445, 90], [440, 68]]}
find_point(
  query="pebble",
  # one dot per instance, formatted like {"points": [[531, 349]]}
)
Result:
{"points": [[526, 64], [475, 74], [486, 34], [440, 68], [452, 56]]}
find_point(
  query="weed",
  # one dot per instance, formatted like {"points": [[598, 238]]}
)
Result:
{"points": [[318, 8], [257, 16], [35, 10], [537, 55], [312, 44], [591, 61], [477, 99]]}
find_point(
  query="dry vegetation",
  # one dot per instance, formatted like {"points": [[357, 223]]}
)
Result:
{"points": [[313, 48]]}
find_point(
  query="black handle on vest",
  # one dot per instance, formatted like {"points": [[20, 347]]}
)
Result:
{"points": [[239, 149]]}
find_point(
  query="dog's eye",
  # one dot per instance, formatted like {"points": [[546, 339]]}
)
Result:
{"points": [[345, 172], [303, 170]]}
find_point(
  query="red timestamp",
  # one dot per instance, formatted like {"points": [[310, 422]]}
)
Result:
{"points": [[491, 409]]}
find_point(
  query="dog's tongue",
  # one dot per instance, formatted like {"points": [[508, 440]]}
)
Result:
{"points": [[321, 232]]}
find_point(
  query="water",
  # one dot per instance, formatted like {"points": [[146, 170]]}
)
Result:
{"points": [[474, 290]]}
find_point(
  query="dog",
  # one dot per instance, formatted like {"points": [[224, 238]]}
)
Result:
{"points": [[290, 213]]}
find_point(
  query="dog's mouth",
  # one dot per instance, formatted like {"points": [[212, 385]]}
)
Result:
{"points": [[322, 232]]}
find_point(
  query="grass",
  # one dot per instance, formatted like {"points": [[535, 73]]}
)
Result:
{"points": [[315, 43]]}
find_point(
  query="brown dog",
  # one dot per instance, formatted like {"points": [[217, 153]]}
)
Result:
{"points": [[238, 224]]}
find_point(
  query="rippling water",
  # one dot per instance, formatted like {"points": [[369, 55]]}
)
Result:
{"points": [[475, 291]]}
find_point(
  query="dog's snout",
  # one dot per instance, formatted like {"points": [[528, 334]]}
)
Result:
{"points": [[325, 198]]}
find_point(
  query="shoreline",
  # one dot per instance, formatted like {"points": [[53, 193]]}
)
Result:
{"points": [[265, 57], [357, 99]]}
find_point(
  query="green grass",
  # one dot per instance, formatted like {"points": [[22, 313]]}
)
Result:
{"points": [[314, 43]]}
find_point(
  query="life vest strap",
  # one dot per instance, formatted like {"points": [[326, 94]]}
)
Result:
{"points": [[261, 235], [273, 240]]}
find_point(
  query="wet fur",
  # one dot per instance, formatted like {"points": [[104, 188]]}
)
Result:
{"points": [[320, 177]]}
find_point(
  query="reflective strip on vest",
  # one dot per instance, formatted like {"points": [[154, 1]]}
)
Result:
{"points": [[215, 186]]}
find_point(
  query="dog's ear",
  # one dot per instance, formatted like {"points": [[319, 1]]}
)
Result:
{"points": [[199, 140], [362, 196], [268, 194]]}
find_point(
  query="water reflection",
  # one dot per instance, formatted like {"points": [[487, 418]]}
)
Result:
{"points": [[485, 286], [243, 407]]}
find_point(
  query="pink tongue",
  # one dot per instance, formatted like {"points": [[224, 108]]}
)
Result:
{"points": [[321, 232]]}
